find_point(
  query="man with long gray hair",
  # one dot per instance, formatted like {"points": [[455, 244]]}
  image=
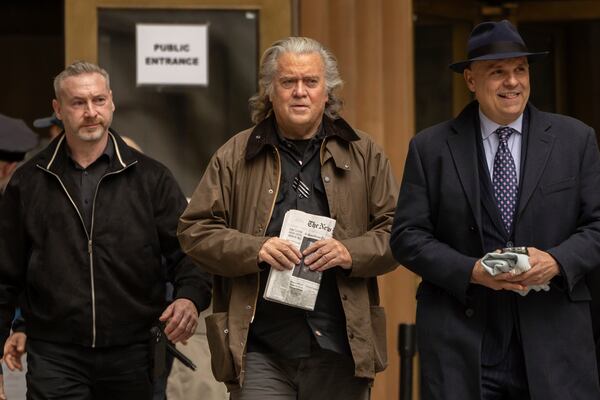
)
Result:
{"points": [[300, 155]]}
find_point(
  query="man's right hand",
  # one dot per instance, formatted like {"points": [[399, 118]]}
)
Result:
{"points": [[279, 254], [499, 282], [14, 348]]}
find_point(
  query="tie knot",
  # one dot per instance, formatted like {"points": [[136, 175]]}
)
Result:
{"points": [[504, 133]]}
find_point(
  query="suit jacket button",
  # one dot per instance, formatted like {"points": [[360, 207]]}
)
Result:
{"points": [[472, 228], [469, 312]]}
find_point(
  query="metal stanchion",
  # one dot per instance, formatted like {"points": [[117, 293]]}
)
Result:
{"points": [[407, 347]]}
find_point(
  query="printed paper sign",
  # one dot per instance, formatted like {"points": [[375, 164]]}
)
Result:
{"points": [[169, 54]]}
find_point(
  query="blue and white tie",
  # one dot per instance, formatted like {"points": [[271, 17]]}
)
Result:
{"points": [[504, 178]]}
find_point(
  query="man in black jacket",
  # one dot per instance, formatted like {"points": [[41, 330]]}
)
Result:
{"points": [[87, 234]]}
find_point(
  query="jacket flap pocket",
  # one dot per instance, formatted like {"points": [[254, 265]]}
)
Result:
{"points": [[563, 184]]}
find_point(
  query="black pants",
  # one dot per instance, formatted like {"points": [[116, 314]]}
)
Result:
{"points": [[508, 379], [71, 372]]}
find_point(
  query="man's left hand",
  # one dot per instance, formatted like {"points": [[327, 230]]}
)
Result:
{"points": [[2, 394], [543, 268], [182, 319], [14, 348], [325, 254]]}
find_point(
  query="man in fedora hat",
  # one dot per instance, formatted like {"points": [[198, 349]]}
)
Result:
{"points": [[502, 174], [16, 139]]}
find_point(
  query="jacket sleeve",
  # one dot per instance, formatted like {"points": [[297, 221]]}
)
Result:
{"points": [[413, 239], [370, 252], [13, 256], [189, 280], [204, 232], [580, 252]]}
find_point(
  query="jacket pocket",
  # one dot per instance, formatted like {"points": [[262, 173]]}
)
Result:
{"points": [[379, 338], [221, 360], [559, 186]]}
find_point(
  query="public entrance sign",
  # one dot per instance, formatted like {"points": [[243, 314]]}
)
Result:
{"points": [[172, 54]]}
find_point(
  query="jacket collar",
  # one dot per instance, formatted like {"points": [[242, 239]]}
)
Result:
{"points": [[54, 157], [540, 141], [265, 134]]}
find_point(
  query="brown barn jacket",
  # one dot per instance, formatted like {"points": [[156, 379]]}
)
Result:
{"points": [[224, 225]]}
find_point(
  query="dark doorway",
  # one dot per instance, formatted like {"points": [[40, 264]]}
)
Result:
{"points": [[32, 39]]}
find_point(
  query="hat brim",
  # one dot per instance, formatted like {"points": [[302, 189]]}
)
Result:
{"points": [[47, 122], [460, 66]]}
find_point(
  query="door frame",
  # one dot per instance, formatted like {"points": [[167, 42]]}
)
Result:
{"points": [[81, 20]]}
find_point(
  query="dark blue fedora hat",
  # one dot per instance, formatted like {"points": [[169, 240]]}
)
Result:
{"points": [[495, 41]]}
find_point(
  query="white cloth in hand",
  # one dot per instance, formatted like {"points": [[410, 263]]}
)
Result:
{"points": [[513, 263]]}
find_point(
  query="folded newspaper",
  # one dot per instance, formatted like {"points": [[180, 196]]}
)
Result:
{"points": [[513, 262], [299, 287]]}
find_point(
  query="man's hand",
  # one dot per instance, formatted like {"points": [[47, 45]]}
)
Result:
{"points": [[279, 254], [182, 319], [327, 253], [2, 394], [499, 282], [14, 348], [543, 268]]}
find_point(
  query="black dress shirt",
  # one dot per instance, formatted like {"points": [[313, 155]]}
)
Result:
{"points": [[82, 183], [288, 331]]}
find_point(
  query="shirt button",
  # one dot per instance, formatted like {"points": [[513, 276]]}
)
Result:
{"points": [[472, 228], [326, 179], [344, 297], [248, 307], [257, 137], [509, 244], [351, 335], [270, 191], [469, 312], [318, 333], [346, 166]]}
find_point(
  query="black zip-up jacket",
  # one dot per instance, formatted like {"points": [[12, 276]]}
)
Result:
{"points": [[104, 287]]}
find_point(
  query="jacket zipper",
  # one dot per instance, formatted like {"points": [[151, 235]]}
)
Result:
{"points": [[266, 224], [89, 236]]}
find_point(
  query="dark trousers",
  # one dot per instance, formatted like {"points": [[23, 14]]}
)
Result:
{"points": [[508, 379], [71, 372], [324, 375]]}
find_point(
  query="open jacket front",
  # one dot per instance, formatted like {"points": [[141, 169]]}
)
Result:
{"points": [[224, 225], [101, 287]]}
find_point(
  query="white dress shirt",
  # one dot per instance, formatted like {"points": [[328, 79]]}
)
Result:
{"points": [[491, 141]]}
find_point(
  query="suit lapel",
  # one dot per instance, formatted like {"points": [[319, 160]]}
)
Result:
{"points": [[539, 145], [464, 153]]}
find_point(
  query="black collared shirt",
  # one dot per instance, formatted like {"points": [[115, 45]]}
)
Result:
{"points": [[288, 331], [81, 183]]}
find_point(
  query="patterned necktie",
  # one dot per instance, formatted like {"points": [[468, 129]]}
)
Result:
{"points": [[504, 178]]}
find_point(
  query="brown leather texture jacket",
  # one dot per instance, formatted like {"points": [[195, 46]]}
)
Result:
{"points": [[224, 225]]}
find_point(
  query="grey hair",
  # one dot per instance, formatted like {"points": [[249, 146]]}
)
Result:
{"points": [[260, 105], [79, 68]]}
